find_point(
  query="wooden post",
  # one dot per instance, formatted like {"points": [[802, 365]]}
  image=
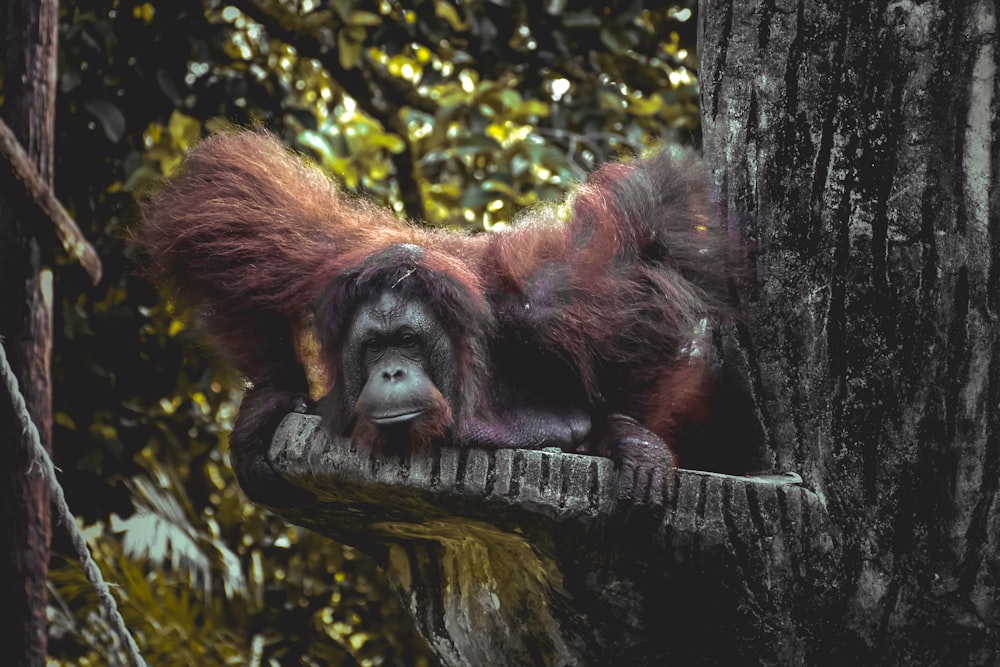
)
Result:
{"points": [[26, 327]]}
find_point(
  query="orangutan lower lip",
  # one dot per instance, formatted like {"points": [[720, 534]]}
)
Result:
{"points": [[396, 419]]}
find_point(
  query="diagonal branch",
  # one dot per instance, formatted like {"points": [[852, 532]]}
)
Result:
{"points": [[35, 202]]}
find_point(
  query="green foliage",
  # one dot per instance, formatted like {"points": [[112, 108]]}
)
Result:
{"points": [[224, 583], [458, 114]]}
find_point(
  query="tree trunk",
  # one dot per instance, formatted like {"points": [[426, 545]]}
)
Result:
{"points": [[26, 329], [858, 141]]}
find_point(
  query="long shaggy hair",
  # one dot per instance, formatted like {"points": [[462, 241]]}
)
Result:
{"points": [[262, 246]]}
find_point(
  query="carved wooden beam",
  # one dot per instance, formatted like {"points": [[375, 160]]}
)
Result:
{"points": [[34, 200], [518, 557]]}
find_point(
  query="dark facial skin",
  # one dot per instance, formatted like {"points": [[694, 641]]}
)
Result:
{"points": [[398, 363]]}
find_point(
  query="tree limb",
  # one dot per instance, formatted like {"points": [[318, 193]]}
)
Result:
{"points": [[28, 194]]}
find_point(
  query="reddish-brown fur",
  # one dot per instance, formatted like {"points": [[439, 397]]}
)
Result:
{"points": [[251, 235]]}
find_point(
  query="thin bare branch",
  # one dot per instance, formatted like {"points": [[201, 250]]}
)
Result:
{"points": [[32, 198]]}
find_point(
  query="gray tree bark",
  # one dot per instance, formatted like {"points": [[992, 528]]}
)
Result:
{"points": [[26, 330], [860, 143]]}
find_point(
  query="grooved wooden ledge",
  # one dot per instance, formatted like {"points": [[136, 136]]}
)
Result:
{"points": [[516, 557]]}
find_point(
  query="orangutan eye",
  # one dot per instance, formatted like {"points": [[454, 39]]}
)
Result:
{"points": [[409, 340]]}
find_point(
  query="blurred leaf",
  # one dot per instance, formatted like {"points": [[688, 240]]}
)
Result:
{"points": [[581, 18], [477, 144], [618, 38], [498, 186], [530, 109], [350, 44], [111, 118], [361, 18], [448, 12], [555, 7], [390, 142], [318, 143], [184, 130], [64, 420], [476, 196], [645, 106]]}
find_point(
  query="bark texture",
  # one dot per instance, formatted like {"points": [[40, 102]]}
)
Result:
{"points": [[26, 330], [860, 143]]}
